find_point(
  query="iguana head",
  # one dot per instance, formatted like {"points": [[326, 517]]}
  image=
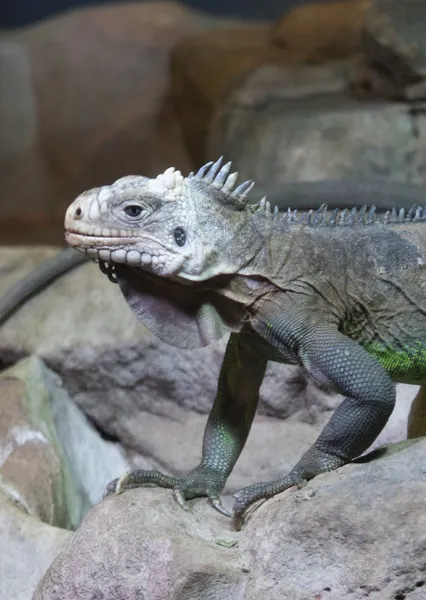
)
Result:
{"points": [[167, 242], [172, 226]]}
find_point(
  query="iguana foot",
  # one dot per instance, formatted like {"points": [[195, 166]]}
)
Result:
{"points": [[263, 490], [312, 463], [200, 482]]}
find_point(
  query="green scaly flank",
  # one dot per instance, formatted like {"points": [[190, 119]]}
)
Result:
{"points": [[406, 362]]}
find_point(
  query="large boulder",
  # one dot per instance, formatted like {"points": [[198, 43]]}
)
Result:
{"points": [[28, 546], [34, 470], [355, 533]]}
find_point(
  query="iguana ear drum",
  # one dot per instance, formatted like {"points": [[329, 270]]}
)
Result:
{"points": [[182, 316]]}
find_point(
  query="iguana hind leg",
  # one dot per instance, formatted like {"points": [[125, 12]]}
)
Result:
{"points": [[417, 417], [369, 393], [226, 431]]}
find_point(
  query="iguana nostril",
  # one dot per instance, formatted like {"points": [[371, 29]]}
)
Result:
{"points": [[77, 213]]}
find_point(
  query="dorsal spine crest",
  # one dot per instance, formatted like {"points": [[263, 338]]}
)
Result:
{"points": [[218, 176]]}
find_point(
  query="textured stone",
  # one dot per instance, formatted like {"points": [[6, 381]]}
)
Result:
{"points": [[34, 471], [394, 46], [274, 133], [27, 549], [357, 532]]}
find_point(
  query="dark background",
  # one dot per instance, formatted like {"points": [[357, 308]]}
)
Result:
{"points": [[14, 13]]}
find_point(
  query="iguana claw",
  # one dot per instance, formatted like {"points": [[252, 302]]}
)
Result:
{"points": [[180, 498], [216, 502]]}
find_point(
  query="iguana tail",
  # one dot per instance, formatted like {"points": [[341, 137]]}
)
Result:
{"points": [[35, 281]]}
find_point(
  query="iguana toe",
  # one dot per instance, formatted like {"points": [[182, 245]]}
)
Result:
{"points": [[180, 498], [216, 502]]}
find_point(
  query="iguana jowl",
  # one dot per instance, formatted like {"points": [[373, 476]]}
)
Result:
{"points": [[343, 295]]}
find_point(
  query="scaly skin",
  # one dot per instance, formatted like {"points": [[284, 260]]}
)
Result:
{"points": [[303, 195], [343, 296]]}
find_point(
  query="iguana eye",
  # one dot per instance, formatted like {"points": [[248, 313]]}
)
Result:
{"points": [[180, 236], [133, 210]]}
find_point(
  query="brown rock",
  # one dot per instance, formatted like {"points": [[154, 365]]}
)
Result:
{"points": [[203, 68], [316, 33], [83, 101], [355, 533]]}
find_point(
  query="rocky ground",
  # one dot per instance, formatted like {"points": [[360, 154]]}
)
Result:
{"points": [[87, 393]]}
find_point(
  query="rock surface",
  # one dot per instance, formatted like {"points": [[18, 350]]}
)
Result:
{"points": [[27, 549], [394, 45], [34, 470], [84, 100], [205, 66], [279, 131], [317, 33], [355, 533]]}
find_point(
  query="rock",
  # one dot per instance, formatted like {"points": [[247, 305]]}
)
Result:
{"points": [[84, 100], [317, 33], [207, 65], [203, 67], [34, 472], [359, 531], [275, 133], [93, 460], [27, 549], [394, 45], [53, 463]]}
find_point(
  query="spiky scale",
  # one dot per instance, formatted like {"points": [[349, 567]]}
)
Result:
{"points": [[230, 182], [203, 170], [242, 190], [371, 214], [221, 177], [211, 174]]}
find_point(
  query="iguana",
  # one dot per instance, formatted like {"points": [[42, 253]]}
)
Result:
{"points": [[341, 294], [304, 195]]}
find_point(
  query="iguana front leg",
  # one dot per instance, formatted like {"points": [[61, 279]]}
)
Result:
{"points": [[226, 432], [329, 355]]}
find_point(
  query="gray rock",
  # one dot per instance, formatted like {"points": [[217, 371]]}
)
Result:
{"points": [[275, 133], [34, 471], [394, 44], [93, 461], [353, 533], [27, 548]]}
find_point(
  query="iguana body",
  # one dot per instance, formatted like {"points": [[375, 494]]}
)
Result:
{"points": [[342, 295], [345, 193]]}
